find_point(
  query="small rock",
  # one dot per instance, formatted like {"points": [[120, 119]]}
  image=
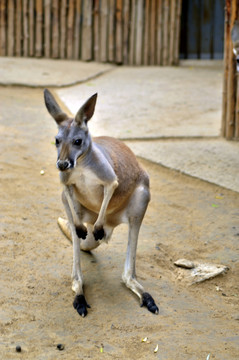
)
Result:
{"points": [[60, 347], [184, 263], [18, 348]]}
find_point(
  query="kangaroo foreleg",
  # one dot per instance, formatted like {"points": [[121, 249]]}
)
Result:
{"points": [[98, 231]]}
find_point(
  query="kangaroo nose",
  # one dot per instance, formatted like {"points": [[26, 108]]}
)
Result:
{"points": [[63, 164]]}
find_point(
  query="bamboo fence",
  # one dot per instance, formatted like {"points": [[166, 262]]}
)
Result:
{"points": [[132, 32], [230, 101]]}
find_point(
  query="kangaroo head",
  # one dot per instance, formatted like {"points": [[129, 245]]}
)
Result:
{"points": [[73, 138]]}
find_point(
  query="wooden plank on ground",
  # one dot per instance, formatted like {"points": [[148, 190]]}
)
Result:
{"points": [[10, 32], [86, 44], [77, 30]]}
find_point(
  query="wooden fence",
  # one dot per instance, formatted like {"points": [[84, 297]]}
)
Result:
{"points": [[134, 32], [230, 101]]}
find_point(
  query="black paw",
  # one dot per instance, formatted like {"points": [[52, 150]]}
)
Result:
{"points": [[81, 232], [81, 305], [99, 233], [148, 301]]}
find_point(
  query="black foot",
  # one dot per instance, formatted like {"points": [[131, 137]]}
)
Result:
{"points": [[99, 233], [148, 301], [81, 232], [81, 305]]}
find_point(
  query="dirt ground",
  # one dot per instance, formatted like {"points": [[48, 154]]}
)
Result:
{"points": [[186, 218]]}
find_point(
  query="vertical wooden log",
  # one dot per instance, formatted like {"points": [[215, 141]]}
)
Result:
{"points": [[139, 33], [111, 31], [132, 33], [96, 22], [165, 32], [63, 29], [39, 18], [231, 95], [226, 63], [126, 31], [86, 44], [55, 27], [3, 37], [177, 29], [18, 28], [47, 28], [146, 32], [77, 30], [32, 28], [104, 31], [236, 135], [152, 53], [70, 27], [172, 32], [10, 32], [119, 32], [25, 28], [159, 33]]}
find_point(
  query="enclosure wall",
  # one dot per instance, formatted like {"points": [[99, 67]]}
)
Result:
{"points": [[134, 32]]}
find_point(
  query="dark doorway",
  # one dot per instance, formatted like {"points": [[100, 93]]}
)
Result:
{"points": [[202, 29]]}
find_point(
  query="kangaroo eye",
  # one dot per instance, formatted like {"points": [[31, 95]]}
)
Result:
{"points": [[57, 142], [77, 142]]}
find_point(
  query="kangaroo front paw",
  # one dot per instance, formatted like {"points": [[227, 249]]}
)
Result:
{"points": [[98, 232], [148, 301], [81, 305], [81, 232]]}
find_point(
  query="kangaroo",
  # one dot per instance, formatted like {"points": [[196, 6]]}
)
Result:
{"points": [[104, 186]]}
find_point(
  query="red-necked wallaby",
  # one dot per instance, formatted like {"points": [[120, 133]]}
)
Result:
{"points": [[104, 186]]}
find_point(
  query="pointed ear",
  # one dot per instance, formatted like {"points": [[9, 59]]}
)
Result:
{"points": [[53, 108], [86, 111]]}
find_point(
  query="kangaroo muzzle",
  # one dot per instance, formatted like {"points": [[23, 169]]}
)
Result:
{"points": [[63, 165]]}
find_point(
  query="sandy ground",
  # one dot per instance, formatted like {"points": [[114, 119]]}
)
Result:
{"points": [[186, 218]]}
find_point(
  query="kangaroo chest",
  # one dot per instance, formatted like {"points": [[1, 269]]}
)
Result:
{"points": [[88, 188]]}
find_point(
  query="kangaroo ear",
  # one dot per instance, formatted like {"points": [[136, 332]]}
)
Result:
{"points": [[53, 108], [86, 111]]}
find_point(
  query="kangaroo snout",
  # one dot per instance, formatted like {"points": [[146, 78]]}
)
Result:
{"points": [[63, 165]]}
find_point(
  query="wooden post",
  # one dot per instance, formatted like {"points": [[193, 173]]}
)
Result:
{"points": [[86, 44], [70, 27], [31, 28], [55, 28], [139, 33], [111, 31], [77, 30], [177, 35], [165, 32], [25, 28], [132, 33], [152, 53], [3, 28], [172, 31], [231, 88], [146, 32], [10, 33], [39, 18], [104, 31], [159, 33], [119, 32], [47, 28], [126, 31]]}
